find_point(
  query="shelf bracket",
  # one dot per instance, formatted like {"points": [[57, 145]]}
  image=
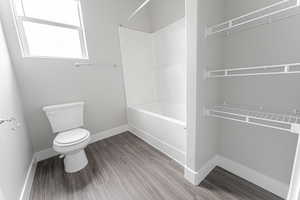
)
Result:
{"points": [[206, 112], [295, 128], [206, 74], [286, 68], [247, 119], [226, 73]]}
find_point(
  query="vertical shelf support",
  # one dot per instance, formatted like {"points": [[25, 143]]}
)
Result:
{"points": [[295, 179]]}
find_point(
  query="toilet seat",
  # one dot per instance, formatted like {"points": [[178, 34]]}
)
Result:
{"points": [[71, 144], [71, 137]]}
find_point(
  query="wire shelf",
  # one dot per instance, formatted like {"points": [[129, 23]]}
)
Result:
{"points": [[256, 15], [278, 121], [292, 68]]}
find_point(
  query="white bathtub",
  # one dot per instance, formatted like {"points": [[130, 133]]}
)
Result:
{"points": [[162, 126]]}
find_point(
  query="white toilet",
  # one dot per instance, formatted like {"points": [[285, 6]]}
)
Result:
{"points": [[66, 120]]}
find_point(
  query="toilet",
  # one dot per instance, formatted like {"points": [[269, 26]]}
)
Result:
{"points": [[66, 121]]}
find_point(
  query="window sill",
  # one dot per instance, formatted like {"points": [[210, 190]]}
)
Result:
{"points": [[55, 58]]}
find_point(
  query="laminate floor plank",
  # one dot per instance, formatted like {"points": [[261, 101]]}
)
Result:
{"points": [[124, 167]]}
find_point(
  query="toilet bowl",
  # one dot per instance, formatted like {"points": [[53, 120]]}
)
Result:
{"points": [[66, 121], [71, 144]]}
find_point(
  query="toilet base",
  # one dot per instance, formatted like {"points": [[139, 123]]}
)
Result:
{"points": [[75, 161]]}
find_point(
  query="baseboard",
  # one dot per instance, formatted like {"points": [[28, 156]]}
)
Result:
{"points": [[190, 175], [44, 154], [276, 187], [48, 153], [174, 153], [108, 133], [197, 177], [263, 181], [25, 193]]}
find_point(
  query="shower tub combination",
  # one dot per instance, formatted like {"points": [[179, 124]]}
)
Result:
{"points": [[154, 69], [161, 125]]}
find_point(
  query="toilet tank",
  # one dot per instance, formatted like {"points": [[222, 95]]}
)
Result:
{"points": [[65, 116]]}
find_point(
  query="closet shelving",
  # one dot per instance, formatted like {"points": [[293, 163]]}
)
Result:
{"points": [[290, 123], [292, 68], [259, 117], [259, 14]]}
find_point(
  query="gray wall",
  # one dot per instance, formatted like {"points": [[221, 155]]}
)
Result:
{"points": [[15, 146], [54, 81], [165, 12], [209, 54], [268, 151]]}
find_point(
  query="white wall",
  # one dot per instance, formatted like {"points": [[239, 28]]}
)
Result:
{"points": [[141, 22], [165, 12], [155, 65], [54, 81], [15, 146], [268, 151]]}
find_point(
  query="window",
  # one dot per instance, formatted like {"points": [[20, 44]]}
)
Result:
{"points": [[50, 28]]}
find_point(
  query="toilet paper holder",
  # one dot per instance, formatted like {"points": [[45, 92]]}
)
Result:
{"points": [[12, 120]]}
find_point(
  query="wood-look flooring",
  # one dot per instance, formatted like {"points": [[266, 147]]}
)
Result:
{"points": [[124, 167]]}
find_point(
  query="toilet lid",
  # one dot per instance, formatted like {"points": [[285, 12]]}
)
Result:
{"points": [[72, 136]]}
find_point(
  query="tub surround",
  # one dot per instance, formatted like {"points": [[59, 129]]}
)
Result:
{"points": [[154, 65]]}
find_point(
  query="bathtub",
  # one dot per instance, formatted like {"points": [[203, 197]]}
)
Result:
{"points": [[162, 126]]}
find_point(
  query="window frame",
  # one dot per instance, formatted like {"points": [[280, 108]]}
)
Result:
{"points": [[22, 36]]}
